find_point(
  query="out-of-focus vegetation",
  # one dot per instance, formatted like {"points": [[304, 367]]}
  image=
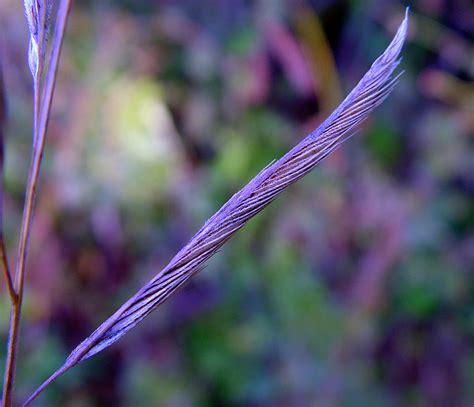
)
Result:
{"points": [[355, 288]]}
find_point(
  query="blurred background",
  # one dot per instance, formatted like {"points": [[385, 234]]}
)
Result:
{"points": [[355, 288]]}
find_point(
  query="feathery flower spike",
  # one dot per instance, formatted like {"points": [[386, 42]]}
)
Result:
{"points": [[369, 93]]}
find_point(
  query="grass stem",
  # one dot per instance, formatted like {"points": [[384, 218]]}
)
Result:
{"points": [[42, 109]]}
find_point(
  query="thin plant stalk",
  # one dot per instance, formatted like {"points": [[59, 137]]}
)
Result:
{"points": [[38, 149], [6, 271]]}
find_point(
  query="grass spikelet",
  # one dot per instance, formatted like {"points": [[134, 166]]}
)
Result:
{"points": [[369, 93], [38, 15]]}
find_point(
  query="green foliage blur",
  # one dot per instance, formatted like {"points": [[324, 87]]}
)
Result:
{"points": [[355, 288]]}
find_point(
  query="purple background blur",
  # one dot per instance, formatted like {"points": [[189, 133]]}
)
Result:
{"points": [[355, 288]]}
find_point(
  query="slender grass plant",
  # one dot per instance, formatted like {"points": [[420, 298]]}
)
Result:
{"points": [[343, 123]]}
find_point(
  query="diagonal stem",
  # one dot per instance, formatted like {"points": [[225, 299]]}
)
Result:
{"points": [[38, 148], [369, 93]]}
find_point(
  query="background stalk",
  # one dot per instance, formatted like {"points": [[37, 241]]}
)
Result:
{"points": [[38, 150]]}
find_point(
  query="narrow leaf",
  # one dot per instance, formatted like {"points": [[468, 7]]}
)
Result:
{"points": [[370, 92]]}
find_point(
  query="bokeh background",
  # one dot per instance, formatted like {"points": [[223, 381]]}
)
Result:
{"points": [[355, 288]]}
